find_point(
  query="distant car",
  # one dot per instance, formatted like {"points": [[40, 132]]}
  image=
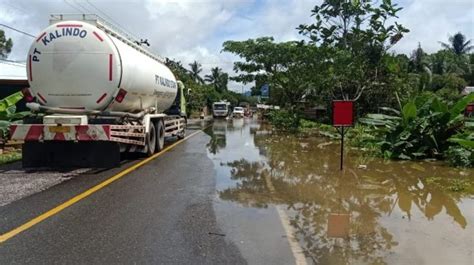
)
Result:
{"points": [[238, 112]]}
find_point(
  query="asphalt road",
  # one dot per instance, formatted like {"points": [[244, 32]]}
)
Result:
{"points": [[161, 213]]}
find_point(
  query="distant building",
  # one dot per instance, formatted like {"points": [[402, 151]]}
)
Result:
{"points": [[468, 90], [13, 79], [13, 72]]}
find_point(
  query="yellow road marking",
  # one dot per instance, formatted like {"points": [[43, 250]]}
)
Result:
{"points": [[87, 193]]}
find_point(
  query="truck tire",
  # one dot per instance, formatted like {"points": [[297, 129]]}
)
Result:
{"points": [[182, 133], [160, 133], [151, 140]]}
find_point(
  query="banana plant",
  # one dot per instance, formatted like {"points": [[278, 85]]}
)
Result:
{"points": [[8, 113], [422, 128]]}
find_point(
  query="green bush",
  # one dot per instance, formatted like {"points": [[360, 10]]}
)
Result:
{"points": [[448, 94], [10, 157], [459, 156], [284, 120], [454, 82], [307, 124]]}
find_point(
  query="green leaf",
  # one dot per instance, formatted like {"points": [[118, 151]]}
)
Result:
{"points": [[10, 101], [404, 157], [395, 111], [382, 117], [409, 111], [463, 142], [460, 106], [439, 106]]}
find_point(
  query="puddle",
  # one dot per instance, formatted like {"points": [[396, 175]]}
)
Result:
{"points": [[374, 212]]}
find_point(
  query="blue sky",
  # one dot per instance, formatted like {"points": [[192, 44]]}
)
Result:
{"points": [[190, 30]]}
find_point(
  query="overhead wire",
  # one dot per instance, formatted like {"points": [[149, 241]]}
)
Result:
{"points": [[105, 15], [16, 7], [74, 7], [17, 30], [83, 7]]}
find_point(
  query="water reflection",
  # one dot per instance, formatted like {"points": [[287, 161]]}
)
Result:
{"points": [[343, 217], [217, 133]]}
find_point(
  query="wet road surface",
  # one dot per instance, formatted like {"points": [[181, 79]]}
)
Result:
{"points": [[239, 193], [159, 214], [374, 212]]}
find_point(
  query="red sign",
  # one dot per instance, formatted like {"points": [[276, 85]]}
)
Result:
{"points": [[343, 113], [469, 110]]}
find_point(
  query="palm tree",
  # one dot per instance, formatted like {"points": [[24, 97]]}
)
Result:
{"points": [[419, 64], [214, 76], [218, 79], [194, 72], [458, 44]]}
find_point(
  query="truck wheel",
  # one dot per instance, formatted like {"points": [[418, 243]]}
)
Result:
{"points": [[151, 140], [160, 132], [182, 133]]}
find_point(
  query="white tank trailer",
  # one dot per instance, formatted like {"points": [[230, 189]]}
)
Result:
{"points": [[95, 92]]}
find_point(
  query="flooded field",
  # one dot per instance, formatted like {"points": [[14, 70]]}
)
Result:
{"points": [[289, 196]]}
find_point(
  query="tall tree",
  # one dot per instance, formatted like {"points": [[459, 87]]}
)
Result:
{"points": [[419, 60], [196, 69], [357, 35], [458, 44], [5, 45], [290, 68], [420, 64]]}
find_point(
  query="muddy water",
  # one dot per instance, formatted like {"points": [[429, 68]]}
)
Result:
{"points": [[374, 212]]}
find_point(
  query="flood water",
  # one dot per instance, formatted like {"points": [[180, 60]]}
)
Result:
{"points": [[275, 188]]}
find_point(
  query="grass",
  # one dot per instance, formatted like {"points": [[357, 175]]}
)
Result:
{"points": [[10, 157], [458, 185]]}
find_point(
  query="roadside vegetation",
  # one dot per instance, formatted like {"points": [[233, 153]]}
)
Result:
{"points": [[8, 115], [408, 107], [204, 91]]}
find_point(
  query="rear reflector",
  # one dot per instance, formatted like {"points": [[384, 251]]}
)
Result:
{"points": [[27, 95], [120, 95]]}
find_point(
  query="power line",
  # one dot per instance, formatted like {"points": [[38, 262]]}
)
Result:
{"points": [[81, 6], [69, 4], [105, 15], [17, 30], [15, 7]]}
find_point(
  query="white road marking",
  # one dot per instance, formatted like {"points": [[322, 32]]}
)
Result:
{"points": [[295, 247]]}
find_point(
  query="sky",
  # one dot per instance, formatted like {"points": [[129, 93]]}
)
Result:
{"points": [[189, 30]]}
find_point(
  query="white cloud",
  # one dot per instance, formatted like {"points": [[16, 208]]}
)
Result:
{"points": [[431, 21], [190, 30]]}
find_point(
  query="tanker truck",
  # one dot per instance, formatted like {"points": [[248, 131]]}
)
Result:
{"points": [[94, 94]]}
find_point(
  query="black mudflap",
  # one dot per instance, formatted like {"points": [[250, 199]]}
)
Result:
{"points": [[60, 154]]}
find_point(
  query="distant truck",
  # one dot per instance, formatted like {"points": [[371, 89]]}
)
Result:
{"points": [[221, 109], [95, 93]]}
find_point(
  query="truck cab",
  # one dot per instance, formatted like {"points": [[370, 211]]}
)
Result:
{"points": [[220, 109]]}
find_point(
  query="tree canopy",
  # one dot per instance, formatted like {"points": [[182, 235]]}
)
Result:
{"points": [[458, 44], [6, 45]]}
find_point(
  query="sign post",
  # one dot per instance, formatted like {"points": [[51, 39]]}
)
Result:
{"points": [[265, 91], [342, 117], [469, 112]]}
